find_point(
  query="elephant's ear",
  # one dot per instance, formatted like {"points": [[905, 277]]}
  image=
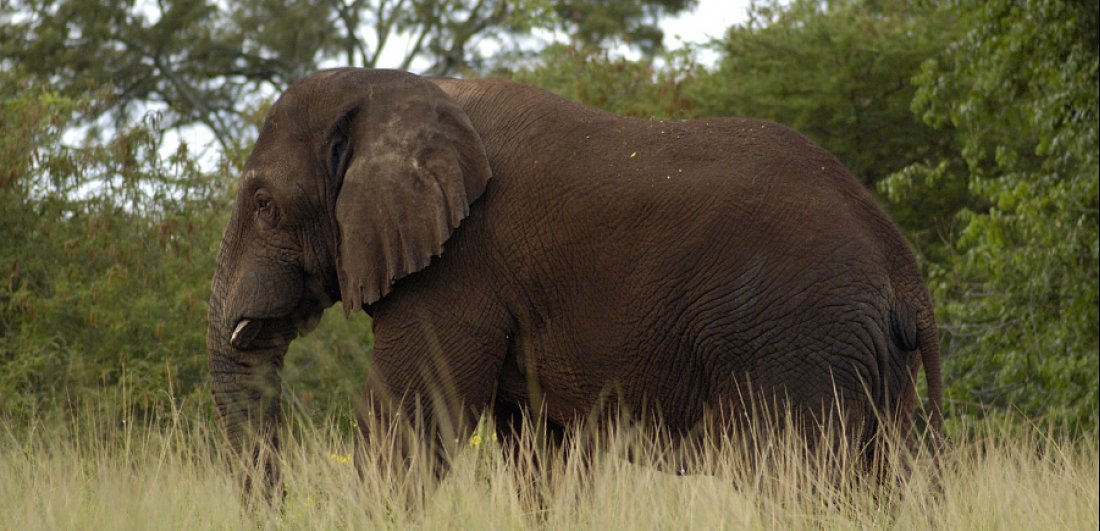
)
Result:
{"points": [[412, 164]]}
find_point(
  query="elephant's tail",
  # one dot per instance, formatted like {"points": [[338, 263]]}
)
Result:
{"points": [[929, 344], [914, 328]]}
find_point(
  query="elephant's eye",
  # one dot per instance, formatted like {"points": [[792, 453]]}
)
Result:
{"points": [[265, 207]]}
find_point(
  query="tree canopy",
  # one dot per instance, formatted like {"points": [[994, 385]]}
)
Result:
{"points": [[204, 62], [1017, 281]]}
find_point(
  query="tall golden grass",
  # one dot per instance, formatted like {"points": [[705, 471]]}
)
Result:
{"points": [[99, 471]]}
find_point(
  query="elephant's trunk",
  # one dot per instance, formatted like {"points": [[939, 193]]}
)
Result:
{"points": [[247, 399], [246, 387]]}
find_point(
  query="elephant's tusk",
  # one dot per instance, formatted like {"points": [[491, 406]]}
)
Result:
{"points": [[241, 336], [237, 331]]}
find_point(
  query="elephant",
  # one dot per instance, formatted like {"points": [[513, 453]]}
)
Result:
{"points": [[517, 251]]}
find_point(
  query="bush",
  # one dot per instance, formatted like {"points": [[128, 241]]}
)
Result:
{"points": [[106, 254]]}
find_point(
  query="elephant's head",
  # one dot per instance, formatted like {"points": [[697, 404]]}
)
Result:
{"points": [[357, 179]]}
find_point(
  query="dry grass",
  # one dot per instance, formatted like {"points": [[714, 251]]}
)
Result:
{"points": [[168, 474]]}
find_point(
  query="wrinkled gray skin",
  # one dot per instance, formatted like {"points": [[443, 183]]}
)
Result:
{"points": [[517, 249]]}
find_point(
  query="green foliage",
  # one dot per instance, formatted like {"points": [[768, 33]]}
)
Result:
{"points": [[622, 86], [187, 58], [838, 72], [593, 23], [325, 370], [106, 254], [205, 62], [1017, 285]]}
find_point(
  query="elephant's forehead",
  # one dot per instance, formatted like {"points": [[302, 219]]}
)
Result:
{"points": [[277, 173], [282, 143], [275, 164]]}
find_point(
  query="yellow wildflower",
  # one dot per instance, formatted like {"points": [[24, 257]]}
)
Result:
{"points": [[476, 439]]}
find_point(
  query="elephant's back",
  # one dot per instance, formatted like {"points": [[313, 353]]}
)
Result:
{"points": [[718, 188]]}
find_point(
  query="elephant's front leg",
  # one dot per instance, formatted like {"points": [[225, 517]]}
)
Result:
{"points": [[429, 381]]}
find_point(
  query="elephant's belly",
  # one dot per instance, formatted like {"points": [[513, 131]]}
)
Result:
{"points": [[532, 379], [570, 381]]}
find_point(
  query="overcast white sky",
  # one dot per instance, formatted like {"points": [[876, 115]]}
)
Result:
{"points": [[709, 20]]}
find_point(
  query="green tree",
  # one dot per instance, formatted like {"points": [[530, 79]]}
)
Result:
{"points": [[203, 62], [1017, 289], [593, 23], [627, 87], [106, 253], [837, 71]]}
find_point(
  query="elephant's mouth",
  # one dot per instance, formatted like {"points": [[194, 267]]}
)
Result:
{"points": [[270, 330], [253, 334], [257, 334]]}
